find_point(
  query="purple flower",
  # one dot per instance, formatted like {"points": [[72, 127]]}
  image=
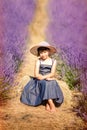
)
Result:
{"points": [[16, 16]]}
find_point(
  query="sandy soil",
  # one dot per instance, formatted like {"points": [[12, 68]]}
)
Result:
{"points": [[17, 116]]}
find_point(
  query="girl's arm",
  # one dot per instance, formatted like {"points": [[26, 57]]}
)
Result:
{"points": [[36, 71]]}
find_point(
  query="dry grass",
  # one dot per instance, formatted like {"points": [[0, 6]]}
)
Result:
{"points": [[17, 116]]}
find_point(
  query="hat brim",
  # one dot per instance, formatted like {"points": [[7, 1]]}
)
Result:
{"points": [[34, 50]]}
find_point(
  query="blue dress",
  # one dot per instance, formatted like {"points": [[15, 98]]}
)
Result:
{"points": [[37, 92]]}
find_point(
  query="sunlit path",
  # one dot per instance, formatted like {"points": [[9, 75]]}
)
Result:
{"points": [[37, 34]]}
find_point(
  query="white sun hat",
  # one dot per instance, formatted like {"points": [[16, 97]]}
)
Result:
{"points": [[34, 49]]}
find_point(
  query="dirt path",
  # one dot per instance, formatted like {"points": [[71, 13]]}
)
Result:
{"points": [[17, 116]]}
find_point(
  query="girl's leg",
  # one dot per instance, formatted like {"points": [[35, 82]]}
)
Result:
{"points": [[51, 105], [47, 107]]}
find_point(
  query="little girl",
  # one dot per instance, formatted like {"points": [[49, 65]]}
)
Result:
{"points": [[43, 88]]}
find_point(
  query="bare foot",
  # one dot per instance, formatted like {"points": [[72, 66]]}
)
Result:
{"points": [[47, 107], [53, 110], [52, 106]]}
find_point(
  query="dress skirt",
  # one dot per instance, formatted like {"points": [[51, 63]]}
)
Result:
{"points": [[37, 92]]}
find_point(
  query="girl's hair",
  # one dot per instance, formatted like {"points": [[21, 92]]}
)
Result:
{"points": [[41, 49]]}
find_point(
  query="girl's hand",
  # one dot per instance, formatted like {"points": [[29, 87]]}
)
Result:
{"points": [[50, 78], [40, 77]]}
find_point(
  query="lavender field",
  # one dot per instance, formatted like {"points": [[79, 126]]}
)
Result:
{"points": [[64, 26], [15, 17], [67, 29]]}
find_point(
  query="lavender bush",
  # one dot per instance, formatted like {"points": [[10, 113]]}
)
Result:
{"points": [[15, 20], [67, 30]]}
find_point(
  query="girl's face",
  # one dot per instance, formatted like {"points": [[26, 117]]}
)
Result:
{"points": [[44, 54]]}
